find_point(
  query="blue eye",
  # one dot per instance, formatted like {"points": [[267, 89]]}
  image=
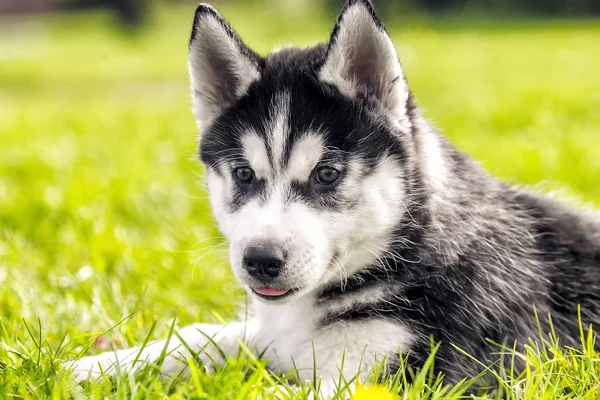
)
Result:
{"points": [[244, 175], [327, 175]]}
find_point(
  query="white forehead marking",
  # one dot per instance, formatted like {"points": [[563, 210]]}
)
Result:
{"points": [[306, 153], [255, 152], [278, 128]]}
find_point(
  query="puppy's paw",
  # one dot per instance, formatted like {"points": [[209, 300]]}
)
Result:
{"points": [[92, 367]]}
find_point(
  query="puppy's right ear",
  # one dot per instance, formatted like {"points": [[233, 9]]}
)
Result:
{"points": [[361, 60], [221, 66]]}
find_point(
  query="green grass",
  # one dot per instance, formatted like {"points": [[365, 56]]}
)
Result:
{"points": [[105, 229]]}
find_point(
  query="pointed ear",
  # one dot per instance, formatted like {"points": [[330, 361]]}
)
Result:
{"points": [[221, 67], [361, 60]]}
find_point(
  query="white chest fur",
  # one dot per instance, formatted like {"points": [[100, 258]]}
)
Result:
{"points": [[291, 338], [286, 332]]}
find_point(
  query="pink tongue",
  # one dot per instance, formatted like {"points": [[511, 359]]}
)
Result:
{"points": [[267, 291]]}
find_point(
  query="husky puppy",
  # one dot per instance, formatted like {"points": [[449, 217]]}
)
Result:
{"points": [[357, 229]]}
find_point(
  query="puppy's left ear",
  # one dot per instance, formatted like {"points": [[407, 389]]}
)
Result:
{"points": [[221, 66], [361, 60]]}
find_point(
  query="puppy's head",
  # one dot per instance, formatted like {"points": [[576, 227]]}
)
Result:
{"points": [[305, 150]]}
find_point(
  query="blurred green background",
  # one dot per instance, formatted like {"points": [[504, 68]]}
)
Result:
{"points": [[102, 210]]}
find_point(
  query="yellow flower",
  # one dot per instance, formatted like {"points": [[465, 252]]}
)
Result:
{"points": [[373, 392]]}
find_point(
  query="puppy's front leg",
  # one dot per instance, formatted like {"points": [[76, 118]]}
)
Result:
{"points": [[209, 343]]}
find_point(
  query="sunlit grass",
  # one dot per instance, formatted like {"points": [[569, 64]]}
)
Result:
{"points": [[105, 228]]}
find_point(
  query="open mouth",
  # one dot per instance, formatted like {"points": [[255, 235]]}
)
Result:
{"points": [[269, 293]]}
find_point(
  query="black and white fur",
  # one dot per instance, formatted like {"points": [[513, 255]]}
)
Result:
{"points": [[413, 240]]}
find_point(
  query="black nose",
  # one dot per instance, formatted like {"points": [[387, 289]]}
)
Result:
{"points": [[263, 262]]}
